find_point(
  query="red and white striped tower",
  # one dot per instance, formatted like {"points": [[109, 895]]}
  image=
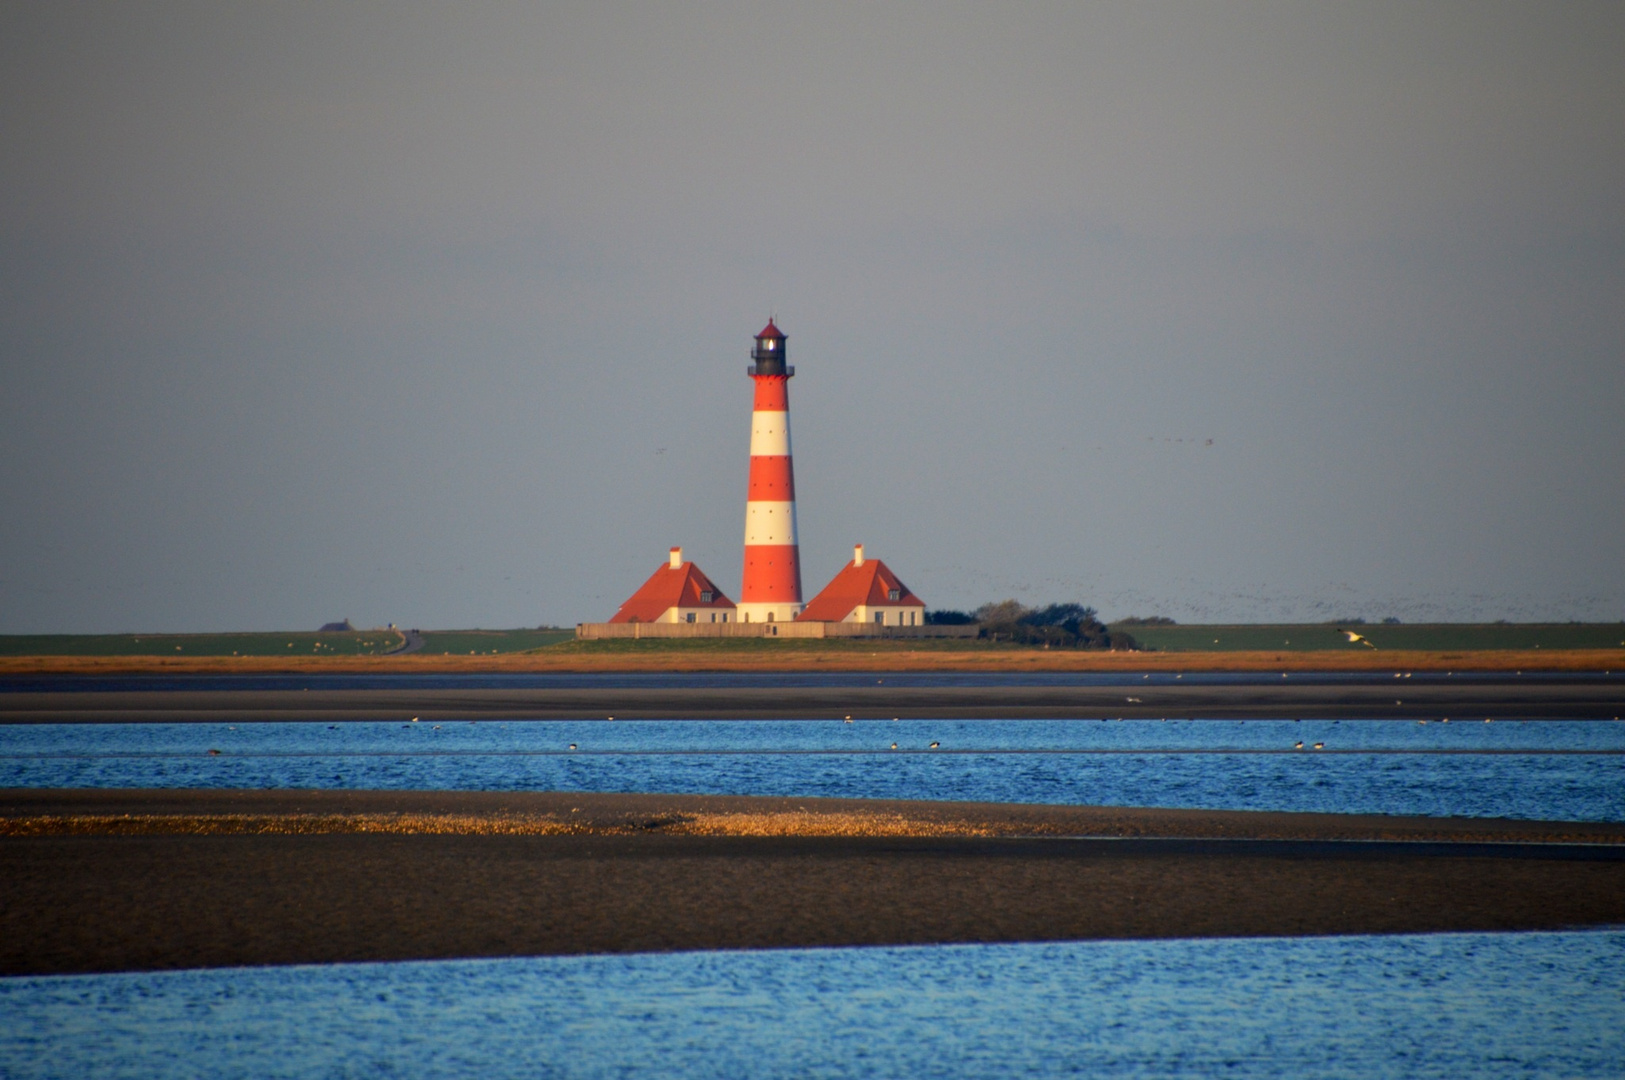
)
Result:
{"points": [[771, 589]]}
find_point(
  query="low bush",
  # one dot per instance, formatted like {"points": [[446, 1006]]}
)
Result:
{"points": [[1067, 626]]}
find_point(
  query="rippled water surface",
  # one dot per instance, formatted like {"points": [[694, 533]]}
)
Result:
{"points": [[1455, 1005], [1568, 770], [1532, 1004]]}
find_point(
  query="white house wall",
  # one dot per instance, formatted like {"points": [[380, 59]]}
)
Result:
{"points": [[863, 613]]}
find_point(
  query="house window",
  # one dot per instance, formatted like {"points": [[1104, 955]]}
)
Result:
{"points": [[894, 595], [705, 596], [690, 616], [880, 617], [770, 616], [724, 616]]}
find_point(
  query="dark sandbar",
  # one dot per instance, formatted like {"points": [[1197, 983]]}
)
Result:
{"points": [[1502, 696], [639, 872]]}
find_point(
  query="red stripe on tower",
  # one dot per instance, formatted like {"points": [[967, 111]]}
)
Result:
{"points": [[771, 589]]}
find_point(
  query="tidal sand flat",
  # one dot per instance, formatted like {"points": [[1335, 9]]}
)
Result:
{"points": [[514, 896], [131, 880]]}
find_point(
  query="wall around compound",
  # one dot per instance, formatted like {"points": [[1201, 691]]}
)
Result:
{"points": [[600, 631]]}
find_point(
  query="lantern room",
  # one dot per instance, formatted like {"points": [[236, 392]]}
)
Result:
{"points": [[770, 353]]}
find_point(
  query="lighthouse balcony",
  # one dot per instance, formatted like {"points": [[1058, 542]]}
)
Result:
{"points": [[770, 367]]}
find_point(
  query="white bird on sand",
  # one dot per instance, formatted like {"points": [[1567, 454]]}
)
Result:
{"points": [[1355, 639], [414, 719]]}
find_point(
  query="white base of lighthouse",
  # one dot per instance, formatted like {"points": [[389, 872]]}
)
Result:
{"points": [[760, 613]]}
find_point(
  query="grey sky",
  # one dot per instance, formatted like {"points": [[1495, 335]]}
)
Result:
{"points": [[438, 314]]}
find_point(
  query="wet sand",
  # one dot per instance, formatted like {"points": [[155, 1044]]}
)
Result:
{"points": [[1501, 697], [102, 880]]}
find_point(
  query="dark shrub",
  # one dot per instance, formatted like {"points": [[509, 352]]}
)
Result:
{"points": [[1070, 626]]}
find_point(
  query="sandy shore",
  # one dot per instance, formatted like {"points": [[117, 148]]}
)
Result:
{"points": [[130, 880], [1501, 697]]}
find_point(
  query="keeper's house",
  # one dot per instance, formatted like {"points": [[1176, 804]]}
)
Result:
{"points": [[865, 591], [676, 593]]}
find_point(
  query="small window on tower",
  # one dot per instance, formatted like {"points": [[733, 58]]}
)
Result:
{"points": [[895, 594], [768, 343]]}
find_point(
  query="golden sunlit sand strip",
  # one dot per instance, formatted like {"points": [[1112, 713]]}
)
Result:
{"points": [[692, 824], [765, 823], [131, 812], [278, 824]]}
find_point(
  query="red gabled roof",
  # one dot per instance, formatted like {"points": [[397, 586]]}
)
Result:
{"points": [[870, 584], [771, 331], [668, 588]]}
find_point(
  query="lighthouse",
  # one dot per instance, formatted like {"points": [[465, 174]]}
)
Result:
{"points": [[771, 587]]}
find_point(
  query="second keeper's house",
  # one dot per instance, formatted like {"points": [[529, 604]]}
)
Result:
{"points": [[676, 593], [865, 591]]}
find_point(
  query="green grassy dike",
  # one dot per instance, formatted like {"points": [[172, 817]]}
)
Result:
{"points": [[289, 644], [1428, 637], [1197, 638]]}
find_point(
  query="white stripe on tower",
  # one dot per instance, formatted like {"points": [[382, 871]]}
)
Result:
{"points": [[770, 433], [771, 586], [770, 524]]}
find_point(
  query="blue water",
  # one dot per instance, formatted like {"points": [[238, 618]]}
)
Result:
{"points": [[1534, 1004], [1455, 1005], [1554, 770]]}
